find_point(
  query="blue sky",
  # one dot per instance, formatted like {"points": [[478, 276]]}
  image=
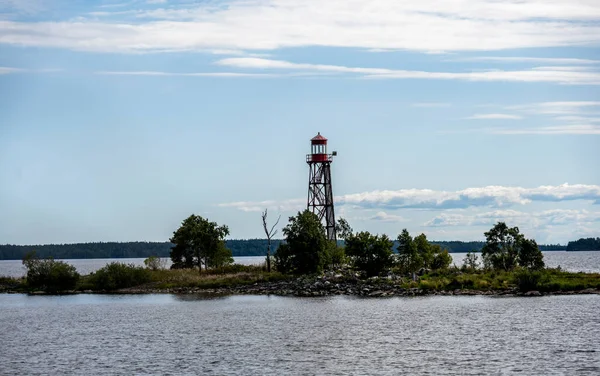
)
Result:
{"points": [[118, 119]]}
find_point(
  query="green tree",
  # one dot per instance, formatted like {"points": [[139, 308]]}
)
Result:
{"points": [[49, 275], [441, 258], [283, 259], [306, 245], [199, 242], [506, 247], [408, 256], [370, 253], [343, 229], [424, 250], [530, 255]]}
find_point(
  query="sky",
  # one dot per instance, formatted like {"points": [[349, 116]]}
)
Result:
{"points": [[118, 119]]}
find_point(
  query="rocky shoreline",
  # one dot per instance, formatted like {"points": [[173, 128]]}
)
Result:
{"points": [[315, 287], [319, 289]]}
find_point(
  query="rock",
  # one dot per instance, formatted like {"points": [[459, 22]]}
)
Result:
{"points": [[532, 293]]}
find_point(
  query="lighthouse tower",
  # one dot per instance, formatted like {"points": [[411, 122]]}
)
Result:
{"points": [[320, 194]]}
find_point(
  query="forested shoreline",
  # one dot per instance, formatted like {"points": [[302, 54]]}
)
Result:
{"points": [[238, 247]]}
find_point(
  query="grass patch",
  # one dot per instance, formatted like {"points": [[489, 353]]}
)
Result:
{"points": [[547, 280], [226, 278]]}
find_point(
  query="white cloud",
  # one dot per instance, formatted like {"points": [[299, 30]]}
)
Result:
{"points": [[8, 70], [171, 74], [579, 119], [432, 26], [556, 108], [494, 116], [536, 60], [385, 217], [156, 1], [585, 129], [490, 196], [576, 77], [285, 205], [535, 219]]}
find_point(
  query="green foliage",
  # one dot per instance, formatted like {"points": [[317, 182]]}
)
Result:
{"points": [[584, 244], [199, 242], [417, 253], [441, 258], [306, 246], [343, 229], [424, 250], [530, 255], [283, 259], [337, 255], [370, 253], [154, 263], [49, 275], [409, 258], [506, 248], [118, 275]]}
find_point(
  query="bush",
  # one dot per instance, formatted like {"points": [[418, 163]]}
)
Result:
{"points": [[50, 275], [527, 280], [441, 260], [117, 275], [155, 263]]}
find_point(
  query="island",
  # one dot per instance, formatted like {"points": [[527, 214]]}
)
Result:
{"points": [[306, 263]]}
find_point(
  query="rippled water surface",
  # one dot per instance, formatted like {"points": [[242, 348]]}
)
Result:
{"points": [[247, 335]]}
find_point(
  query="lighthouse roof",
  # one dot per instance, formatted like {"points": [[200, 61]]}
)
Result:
{"points": [[318, 137]]}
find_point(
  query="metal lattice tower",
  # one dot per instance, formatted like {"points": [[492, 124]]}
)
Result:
{"points": [[320, 194]]}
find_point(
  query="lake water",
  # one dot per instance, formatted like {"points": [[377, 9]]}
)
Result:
{"points": [[267, 335], [571, 261]]}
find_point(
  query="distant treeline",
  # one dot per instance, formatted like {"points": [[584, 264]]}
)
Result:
{"points": [[587, 244], [242, 247]]}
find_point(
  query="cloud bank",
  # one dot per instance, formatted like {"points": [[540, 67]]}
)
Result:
{"points": [[490, 196], [536, 219], [460, 25]]}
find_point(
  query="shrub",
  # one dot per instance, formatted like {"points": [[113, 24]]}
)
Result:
{"points": [[441, 260], [527, 280], [117, 275], [155, 263], [50, 275]]}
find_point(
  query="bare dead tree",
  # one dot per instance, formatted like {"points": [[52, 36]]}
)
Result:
{"points": [[270, 234]]}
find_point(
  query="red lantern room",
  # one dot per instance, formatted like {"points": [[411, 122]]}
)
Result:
{"points": [[318, 150]]}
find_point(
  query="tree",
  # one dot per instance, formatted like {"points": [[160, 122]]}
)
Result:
{"points": [[530, 255], [343, 229], [506, 247], [48, 274], [425, 250], [408, 255], [306, 245], [441, 258], [370, 253], [199, 242], [270, 233]]}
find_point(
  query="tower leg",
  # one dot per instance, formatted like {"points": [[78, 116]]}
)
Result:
{"points": [[320, 195]]}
